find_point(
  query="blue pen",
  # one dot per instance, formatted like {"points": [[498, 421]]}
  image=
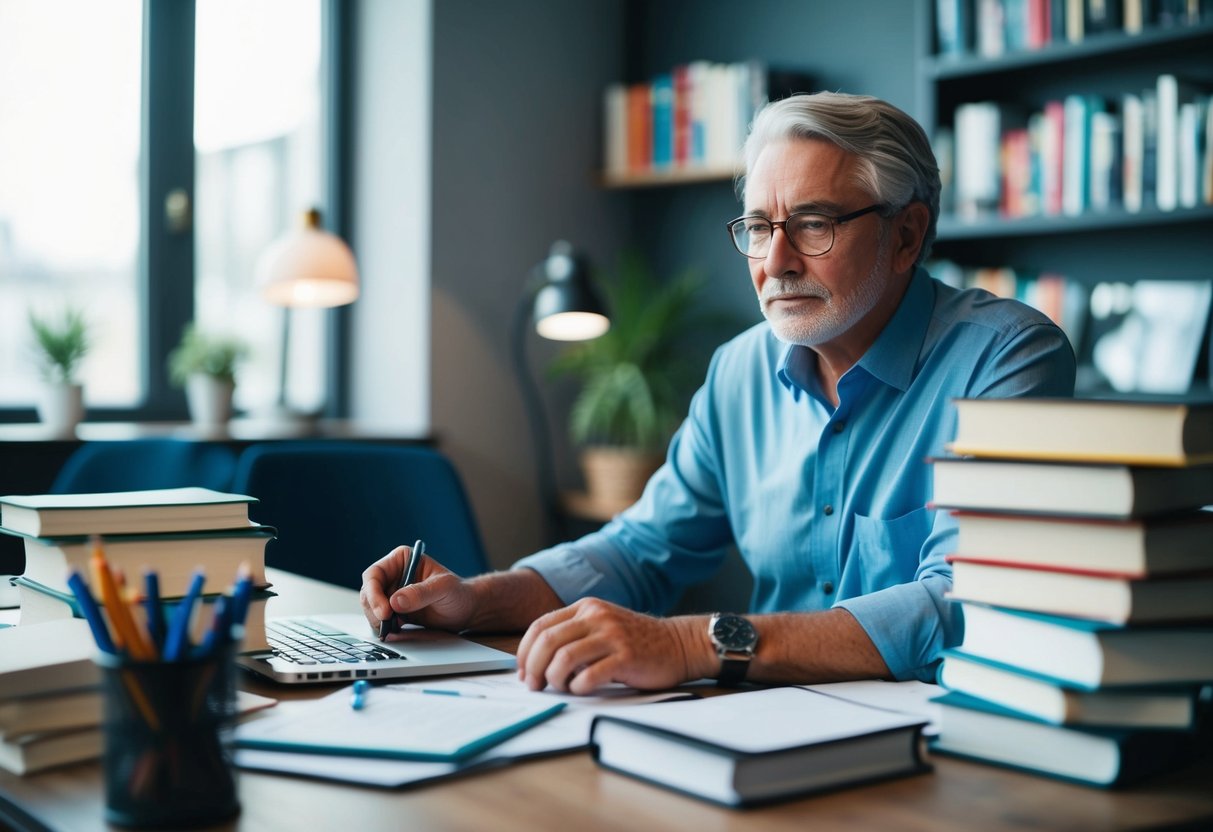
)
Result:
{"points": [[91, 612], [155, 612], [220, 629], [241, 594], [358, 699], [179, 629]]}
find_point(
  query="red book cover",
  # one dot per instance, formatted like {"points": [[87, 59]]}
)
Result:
{"points": [[682, 115], [640, 128]]}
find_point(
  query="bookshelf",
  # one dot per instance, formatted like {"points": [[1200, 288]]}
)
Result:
{"points": [[1107, 243]]}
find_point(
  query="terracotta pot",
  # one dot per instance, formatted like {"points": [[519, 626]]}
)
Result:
{"points": [[615, 477]]}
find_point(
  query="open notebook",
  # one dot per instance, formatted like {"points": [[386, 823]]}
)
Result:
{"points": [[328, 648]]}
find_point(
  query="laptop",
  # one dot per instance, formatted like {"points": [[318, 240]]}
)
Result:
{"points": [[316, 649]]}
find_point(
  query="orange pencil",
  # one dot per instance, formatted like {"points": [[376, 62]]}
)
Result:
{"points": [[126, 634]]}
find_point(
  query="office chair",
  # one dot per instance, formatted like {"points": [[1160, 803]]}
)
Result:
{"points": [[338, 506], [135, 464]]}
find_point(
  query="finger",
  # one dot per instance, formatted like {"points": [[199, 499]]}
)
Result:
{"points": [[543, 650], [537, 628], [378, 581], [588, 678], [574, 659], [434, 585]]}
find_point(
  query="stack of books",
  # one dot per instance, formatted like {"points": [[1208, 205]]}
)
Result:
{"points": [[1085, 573], [50, 702]]}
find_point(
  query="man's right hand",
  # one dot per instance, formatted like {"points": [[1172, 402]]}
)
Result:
{"points": [[437, 597]]}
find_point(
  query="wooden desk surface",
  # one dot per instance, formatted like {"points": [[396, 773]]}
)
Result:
{"points": [[570, 791]]}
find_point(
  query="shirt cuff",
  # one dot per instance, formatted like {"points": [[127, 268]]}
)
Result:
{"points": [[909, 624]]}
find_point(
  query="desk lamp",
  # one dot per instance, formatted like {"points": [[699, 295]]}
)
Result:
{"points": [[305, 268], [561, 303]]}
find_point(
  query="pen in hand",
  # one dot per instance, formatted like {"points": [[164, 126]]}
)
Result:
{"points": [[391, 624]]}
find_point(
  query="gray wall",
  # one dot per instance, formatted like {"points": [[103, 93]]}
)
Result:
{"points": [[515, 92]]}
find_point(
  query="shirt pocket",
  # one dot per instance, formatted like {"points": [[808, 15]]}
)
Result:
{"points": [[887, 551]]}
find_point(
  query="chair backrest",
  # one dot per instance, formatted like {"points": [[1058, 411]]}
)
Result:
{"points": [[135, 464], [339, 506]]}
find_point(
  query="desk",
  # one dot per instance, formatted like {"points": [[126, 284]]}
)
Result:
{"points": [[569, 791]]}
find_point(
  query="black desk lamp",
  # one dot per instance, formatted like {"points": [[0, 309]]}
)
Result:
{"points": [[562, 304]]}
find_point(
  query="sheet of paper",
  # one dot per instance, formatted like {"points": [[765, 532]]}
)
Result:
{"points": [[904, 697]]}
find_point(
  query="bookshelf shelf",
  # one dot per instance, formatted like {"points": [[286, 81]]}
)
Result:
{"points": [[953, 228], [667, 178]]}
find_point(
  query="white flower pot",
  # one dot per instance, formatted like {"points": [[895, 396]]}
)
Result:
{"points": [[61, 407], [209, 400]]}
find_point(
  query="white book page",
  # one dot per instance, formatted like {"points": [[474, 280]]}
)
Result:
{"points": [[904, 697]]}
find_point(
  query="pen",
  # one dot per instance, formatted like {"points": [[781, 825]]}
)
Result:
{"points": [[91, 613], [155, 613], [217, 635], [436, 692], [391, 624], [358, 699], [179, 628]]}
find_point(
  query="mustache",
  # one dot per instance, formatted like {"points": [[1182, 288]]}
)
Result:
{"points": [[779, 289]]}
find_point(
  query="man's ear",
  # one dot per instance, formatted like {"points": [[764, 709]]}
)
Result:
{"points": [[908, 233]]}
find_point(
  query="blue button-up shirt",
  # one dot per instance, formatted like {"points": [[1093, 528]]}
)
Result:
{"points": [[827, 505]]}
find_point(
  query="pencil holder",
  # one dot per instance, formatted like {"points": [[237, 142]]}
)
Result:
{"points": [[168, 733]]}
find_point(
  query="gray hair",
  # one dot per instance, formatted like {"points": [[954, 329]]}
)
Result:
{"points": [[896, 163]]}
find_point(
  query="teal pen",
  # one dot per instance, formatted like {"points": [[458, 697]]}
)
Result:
{"points": [[358, 698], [436, 692], [178, 637], [155, 612]]}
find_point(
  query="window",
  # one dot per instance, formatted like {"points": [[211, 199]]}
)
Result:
{"points": [[163, 147]]}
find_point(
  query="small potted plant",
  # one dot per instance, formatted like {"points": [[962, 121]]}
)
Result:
{"points": [[637, 379], [205, 365], [62, 343]]}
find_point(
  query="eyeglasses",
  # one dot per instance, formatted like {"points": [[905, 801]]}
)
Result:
{"points": [[810, 234]]}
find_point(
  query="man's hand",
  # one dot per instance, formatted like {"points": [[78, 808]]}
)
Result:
{"points": [[592, 642], [437, 598]]}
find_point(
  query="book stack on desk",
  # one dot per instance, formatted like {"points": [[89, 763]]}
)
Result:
{"points": [[1084, 569], [174, 532]]}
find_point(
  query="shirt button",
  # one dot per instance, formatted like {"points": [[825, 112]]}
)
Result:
{"points": [[827, 510], [827, 588], [839, 427]]}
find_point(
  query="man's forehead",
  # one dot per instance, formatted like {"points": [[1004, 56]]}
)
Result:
{"points": [[801, 175]]}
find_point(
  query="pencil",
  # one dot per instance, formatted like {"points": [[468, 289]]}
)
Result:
{"points": [[126, 634]]}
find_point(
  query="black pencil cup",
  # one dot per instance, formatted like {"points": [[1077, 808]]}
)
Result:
{"points": [[168, 741]]}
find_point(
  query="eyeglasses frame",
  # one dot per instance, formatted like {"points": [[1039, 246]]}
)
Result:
{"points": [[834, 223]]}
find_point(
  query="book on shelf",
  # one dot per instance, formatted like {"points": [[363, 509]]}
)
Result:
{"points": [[1089, 654], [174, 556], [41, 603], [972, 728], [1131, 432], [758, 746], [124, 512], [1102, 596], [51, 656], [1049, 700], [1074, 489], [1150, 546]]}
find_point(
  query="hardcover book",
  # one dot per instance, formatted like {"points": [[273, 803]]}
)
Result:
{"points": [[1093, 430], [1049, 700], [759, 746], [1089, 654], [978, 730], [1117, 599], [124, 512], [1075, 489], [1156, 546]]}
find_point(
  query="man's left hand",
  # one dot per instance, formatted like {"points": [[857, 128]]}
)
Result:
{"points": [[592, 642]]}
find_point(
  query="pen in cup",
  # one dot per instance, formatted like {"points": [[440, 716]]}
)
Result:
{"points": [[391, 624]]}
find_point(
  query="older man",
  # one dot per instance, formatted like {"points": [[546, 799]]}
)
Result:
{"points": [[806, 446]]}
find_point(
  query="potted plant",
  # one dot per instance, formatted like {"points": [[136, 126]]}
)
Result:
{"points": [[62, 344], [636, 379], [205, 365]]}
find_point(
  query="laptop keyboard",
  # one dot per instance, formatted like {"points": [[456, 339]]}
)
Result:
{"points": [[310, 642]]}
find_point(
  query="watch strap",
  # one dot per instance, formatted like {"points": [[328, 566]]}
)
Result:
{"points": [[732, 671]]}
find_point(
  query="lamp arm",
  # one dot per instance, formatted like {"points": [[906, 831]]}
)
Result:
{"points": [[541, 439]]}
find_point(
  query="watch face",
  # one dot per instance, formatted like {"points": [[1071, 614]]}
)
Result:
{"points": [[732, 632]]}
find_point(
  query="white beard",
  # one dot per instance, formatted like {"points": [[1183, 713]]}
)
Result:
{"points": [[833, 315]]}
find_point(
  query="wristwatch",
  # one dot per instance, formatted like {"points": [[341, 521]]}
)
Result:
{"points": [[735, 639]]}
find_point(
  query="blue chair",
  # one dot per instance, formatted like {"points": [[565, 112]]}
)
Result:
{"points": [[338, 506], [135, 464]]}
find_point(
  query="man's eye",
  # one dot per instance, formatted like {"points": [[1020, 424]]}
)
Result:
{"points": [[812, 224], [757, 228]]}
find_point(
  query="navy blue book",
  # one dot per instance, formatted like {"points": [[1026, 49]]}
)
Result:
{"points": [[974, 729]]}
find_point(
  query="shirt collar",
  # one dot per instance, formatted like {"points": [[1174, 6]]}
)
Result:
{"points": [[891, 359]]}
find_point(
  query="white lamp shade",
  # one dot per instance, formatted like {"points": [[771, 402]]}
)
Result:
{"points": [[573, 326], [308, 267]]}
